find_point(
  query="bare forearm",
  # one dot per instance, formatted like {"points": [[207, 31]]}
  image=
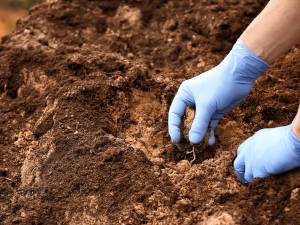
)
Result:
{"points": [[275, 30]]}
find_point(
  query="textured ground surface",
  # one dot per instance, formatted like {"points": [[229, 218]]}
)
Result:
{"points": [[8, 18], [85, 88]]}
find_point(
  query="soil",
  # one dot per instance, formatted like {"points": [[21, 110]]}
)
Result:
{"points": [[85, 89], [8, 18]]}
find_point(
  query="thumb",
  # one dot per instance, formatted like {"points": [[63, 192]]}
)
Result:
{"points": [[177, 110], [200, 125], [176, 113]]}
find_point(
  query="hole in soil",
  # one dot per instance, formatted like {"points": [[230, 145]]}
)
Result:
{"points": [[147, 130], [12, 87], [196, 153], [193, 153], [270, 113], [101, 25], [3, 172], [12, 93], [78, 69], [109, 7]]}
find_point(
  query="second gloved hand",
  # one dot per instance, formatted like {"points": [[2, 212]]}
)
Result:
{"points": [[214, 93], [268, 152]]}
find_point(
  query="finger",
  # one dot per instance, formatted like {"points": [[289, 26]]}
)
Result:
{"points": [[248, 172], [176, 113], [200, 124], [260, 171], [239, 165], [213, 126], [241, 147], [244, 144]]}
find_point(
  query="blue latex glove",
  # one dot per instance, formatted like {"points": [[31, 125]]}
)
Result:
{"points": [[214, 93], [268, 152]]}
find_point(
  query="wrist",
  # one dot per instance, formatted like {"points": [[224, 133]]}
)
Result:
{"points": [[296, 130], [247, 65], [295, 138], [296, 124], [260, 49]]}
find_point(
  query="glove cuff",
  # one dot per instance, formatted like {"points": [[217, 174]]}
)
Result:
{"points": [[295, 140], [249, 65]]}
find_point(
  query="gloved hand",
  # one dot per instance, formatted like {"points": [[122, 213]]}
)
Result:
{"points": [[268, 152], [214, 93]]}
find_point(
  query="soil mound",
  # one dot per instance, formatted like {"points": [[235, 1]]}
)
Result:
{"points": [[85, 88]]}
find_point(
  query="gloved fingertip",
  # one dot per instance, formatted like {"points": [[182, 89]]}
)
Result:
{"points": [[176, 113], [240, 176], [175, 136], [211, 139], [248, 174], [239, 167], [195, 137], [248, 179], [194, 141], [175, 141]]}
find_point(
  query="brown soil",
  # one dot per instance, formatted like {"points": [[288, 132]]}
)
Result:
{"points": [[8, 18], [85, 88]]}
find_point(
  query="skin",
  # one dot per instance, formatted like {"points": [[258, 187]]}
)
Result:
{"points": [[273, 32]]}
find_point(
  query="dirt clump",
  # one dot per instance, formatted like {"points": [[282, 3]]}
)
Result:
{"points": [[85, 88]]}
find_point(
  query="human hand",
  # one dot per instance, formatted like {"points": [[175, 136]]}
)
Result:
{"points": [[268, 152], [214, 93]]}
